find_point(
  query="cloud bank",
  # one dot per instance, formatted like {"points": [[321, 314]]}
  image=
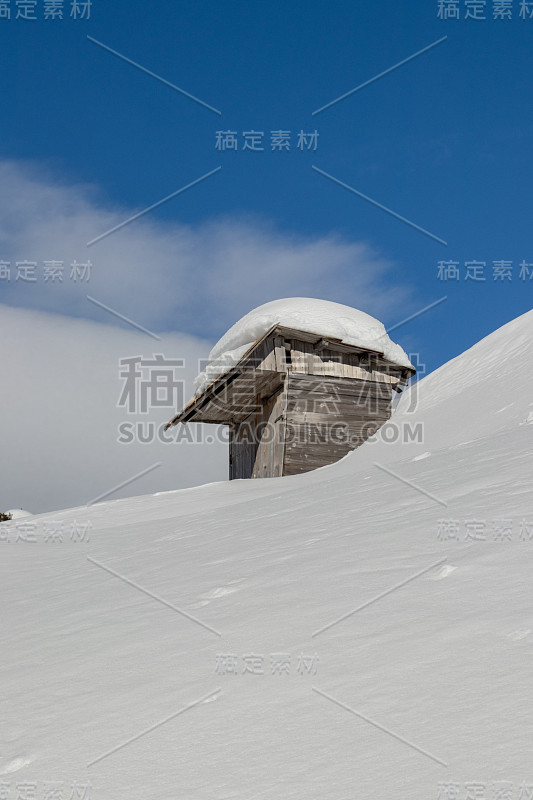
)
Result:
{"points": [[59, 426], [169, 275]]}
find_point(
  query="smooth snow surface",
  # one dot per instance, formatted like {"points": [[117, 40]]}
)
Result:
{"points": [[305, 314], [18, 513], [104, 683]]}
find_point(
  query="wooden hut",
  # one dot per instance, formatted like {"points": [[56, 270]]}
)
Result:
{"points": [[296, 401]]}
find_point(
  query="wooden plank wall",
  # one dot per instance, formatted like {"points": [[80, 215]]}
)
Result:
{"points": [[305, 359], [270, 432], [314, 405], [242, 449], [328, 417], [257, 443]]}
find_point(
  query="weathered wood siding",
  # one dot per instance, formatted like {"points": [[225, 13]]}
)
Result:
{"points": [[257, 443], [270, 434], [304, 358], [308, 423], [328, 417], [242, 449]]}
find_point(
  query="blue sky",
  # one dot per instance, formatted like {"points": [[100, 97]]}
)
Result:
{"points": [[443, 140]]}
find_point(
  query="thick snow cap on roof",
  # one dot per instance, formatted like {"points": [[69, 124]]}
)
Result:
{"points": [[308, 314]]}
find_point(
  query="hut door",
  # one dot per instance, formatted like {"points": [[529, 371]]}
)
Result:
{"points": [[242, 449], [270, 430]]}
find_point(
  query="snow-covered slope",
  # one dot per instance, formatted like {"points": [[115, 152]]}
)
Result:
{"points": [[423, 682]]}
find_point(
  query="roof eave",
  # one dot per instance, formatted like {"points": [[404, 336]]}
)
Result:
{"points": [[226, 378]]}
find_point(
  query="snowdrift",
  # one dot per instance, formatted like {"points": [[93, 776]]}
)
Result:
{"points": [[364, 630]]}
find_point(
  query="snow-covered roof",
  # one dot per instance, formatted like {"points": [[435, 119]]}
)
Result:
{"points": [[322, 317]]}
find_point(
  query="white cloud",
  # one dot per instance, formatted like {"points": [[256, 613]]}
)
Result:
{"points": [[59, 421], [172, 276]]}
